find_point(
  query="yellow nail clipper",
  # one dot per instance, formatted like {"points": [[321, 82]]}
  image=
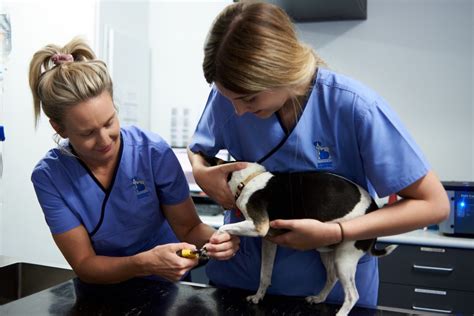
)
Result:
{"points": [[193, 253]]}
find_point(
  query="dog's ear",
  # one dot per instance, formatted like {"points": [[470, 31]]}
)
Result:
{"points": [[212, 161]]}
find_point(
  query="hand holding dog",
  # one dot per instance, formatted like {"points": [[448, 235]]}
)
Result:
{"points": [[222, 246], [213, 181], [305, 234]]}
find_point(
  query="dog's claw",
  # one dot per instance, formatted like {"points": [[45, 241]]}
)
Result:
{"points": [[254, 298]]}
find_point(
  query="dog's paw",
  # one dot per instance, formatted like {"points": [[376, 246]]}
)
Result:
{"points": [[342, 313], [316, 299], [254, 298]]}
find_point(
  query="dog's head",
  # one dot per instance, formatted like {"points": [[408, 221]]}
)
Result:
{"points": [[235, 178], [238, 179]]}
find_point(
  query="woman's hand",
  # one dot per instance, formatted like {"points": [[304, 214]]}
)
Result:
{"points": [[163, 261], [222, 246], [213, 181], [305, 234]]}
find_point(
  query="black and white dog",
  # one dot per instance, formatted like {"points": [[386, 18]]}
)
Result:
{"points": [[262, 196]]}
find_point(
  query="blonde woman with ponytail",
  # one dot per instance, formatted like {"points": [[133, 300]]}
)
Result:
{"points": [[273, 101], [115, 198]]}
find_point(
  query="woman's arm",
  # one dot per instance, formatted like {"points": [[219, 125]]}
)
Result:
{"points": [[186, 223], [162, 260], [424, 202], [188, 228]]}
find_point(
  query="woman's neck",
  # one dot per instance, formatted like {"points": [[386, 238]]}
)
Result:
{"points": [[291, 111], [103, 170]]}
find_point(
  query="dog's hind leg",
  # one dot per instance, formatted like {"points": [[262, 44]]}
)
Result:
{"points": [[346, 265], [268, 257], [327, 259]]}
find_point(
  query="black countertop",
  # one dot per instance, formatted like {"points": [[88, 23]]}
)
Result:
{"points": [[146, 297]]}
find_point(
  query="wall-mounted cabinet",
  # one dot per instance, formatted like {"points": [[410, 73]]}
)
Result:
{"points": [[323, 10]]}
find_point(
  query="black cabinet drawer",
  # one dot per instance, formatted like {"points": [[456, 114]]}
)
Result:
{"points": [[426, 299], [443, 268]]}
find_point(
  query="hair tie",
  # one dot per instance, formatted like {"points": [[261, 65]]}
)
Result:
{"points": [[62, 58]]}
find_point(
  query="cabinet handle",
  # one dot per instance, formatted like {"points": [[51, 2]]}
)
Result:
{"points": [[427, 291], [434, 269], [427, 309]]}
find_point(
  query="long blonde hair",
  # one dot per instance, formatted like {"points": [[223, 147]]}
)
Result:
{"points": [[55, 86], [253, 46]]}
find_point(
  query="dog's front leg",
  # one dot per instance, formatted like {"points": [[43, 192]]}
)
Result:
{"points": [[244, 228], [268, 257]]}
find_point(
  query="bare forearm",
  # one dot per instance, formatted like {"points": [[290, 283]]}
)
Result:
{"points": [[196, 159], [108, 270], [424, 203], [403, 216], [186, 224]]}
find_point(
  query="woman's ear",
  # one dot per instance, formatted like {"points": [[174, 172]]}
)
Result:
{"points": [[58, 129]]}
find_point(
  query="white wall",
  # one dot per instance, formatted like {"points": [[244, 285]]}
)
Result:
{"points": [[472, 80], [1, 144], [123, 28], [128, 17], [177, 33], [24, 232], [419, 56]]}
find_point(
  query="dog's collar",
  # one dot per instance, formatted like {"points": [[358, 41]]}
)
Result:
{"points": [[242, 184]]}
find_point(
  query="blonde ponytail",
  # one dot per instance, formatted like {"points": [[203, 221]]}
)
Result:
{"points": [[61, 77]]}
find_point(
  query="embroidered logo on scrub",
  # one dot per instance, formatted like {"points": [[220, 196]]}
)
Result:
{"points": [[140, 188], [324, 158]]}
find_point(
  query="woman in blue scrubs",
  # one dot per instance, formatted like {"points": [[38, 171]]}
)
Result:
{"points": [[274, 102], [115, 199]]}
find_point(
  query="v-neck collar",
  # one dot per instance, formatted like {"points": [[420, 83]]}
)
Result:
{"points": [[91, 174], [286, 133]]}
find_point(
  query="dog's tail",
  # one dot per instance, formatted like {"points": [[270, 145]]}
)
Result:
{"points": [[383, 251]]}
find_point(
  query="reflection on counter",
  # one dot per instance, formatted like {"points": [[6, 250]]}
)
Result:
{"points": [[146, 297]]}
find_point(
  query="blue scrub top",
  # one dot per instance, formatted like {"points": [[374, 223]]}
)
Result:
{"points": [[345, 128], [125, 219]]}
